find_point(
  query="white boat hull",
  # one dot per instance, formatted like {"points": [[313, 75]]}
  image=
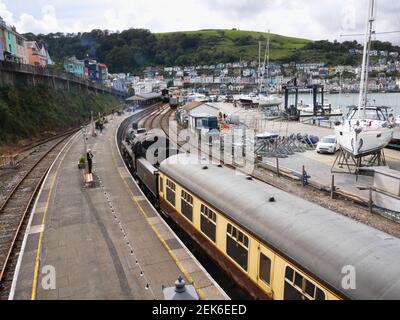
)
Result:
{"points": [[396, 135], [365, 142], [268, 101]]}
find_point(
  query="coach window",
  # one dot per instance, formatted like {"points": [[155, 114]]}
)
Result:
{"points": [[237, 246], [161, 185], [265, 269], [171, 187], [298, 287], [187, 205], [208, 222]]}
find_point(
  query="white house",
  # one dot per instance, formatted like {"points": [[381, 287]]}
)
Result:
{"points": [[178, 82], [195, 112]]}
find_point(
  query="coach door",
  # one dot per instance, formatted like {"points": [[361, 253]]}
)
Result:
{"points": [[265, 270]]}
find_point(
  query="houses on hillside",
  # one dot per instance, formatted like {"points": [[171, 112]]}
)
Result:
{"points": [[37, 56], [14, 47], [88, 69]]}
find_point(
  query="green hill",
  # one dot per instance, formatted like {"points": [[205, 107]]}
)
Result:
{"points": [[241, 44], [134, 49]]}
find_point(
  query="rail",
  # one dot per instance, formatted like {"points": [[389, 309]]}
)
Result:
{"points": [[14, 215], [12, 160], [296, 176]]}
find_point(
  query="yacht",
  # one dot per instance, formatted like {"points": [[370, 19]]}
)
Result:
{"points": [[367, 128], [267, 100], [308, 108], [197, 97], [396, 133], [361, 135]]}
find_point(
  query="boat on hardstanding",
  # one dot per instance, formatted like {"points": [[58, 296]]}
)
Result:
{"points": [[265, 101], [367, 128]]}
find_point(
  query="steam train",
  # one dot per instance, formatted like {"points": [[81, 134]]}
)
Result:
{"points": [[273, 244]]}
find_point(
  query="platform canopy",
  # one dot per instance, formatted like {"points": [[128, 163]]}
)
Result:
{"points": [[144, 97], [135, 98]]}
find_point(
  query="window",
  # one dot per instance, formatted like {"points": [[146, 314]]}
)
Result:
{"points": [[298, 287], [161, 185], [237, 245], [208, 222], [171, 187], [187, 205], [19, 41], [265, 269]]}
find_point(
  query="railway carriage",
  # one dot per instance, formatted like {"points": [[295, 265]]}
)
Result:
{"points": [[273, 244], [276, 245]]}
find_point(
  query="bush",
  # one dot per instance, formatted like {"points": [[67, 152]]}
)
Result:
{"points": [[29, 111]]}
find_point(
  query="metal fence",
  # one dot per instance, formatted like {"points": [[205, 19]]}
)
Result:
{"points": [[51, 72]]}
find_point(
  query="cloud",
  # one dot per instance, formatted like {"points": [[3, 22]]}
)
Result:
{"points": [[312, 19], [45, 24]]}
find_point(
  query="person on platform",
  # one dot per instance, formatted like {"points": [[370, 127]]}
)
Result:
{"points": [[89, 157]]}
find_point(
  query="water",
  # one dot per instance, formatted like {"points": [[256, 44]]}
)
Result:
{"points": [[343, 100]]}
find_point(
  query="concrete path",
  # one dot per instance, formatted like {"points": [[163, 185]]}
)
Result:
{"points": [[102, 242]]}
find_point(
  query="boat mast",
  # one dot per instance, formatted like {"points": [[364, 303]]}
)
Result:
{"points": [[268, 52], [362, 103], [266, 62], [259, 63]]}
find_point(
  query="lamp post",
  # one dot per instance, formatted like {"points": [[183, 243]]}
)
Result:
{"points": [[84, 133]]}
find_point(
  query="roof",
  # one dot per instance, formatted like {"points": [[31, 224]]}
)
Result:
{"points": [[152, 95], [321, 241], [31, 44], [144, 96], [192, 105], [195, 104], [135, 98], [202, 115]]}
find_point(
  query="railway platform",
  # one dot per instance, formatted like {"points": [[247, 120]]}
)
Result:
{"points": [[103, 242]]}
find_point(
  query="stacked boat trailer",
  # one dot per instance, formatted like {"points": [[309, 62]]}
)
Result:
{"points": [[269, 145]]}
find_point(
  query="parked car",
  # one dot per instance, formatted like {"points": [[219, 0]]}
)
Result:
{"points": [[328, 144]]}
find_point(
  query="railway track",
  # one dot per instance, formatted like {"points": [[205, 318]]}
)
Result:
{"points": [[149, 121], [159, 119], [15, 209], [342, 204], [14, 212], [145, 118], [27, 158]]}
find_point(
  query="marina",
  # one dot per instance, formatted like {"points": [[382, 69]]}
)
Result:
{"points": [[318, 166]]}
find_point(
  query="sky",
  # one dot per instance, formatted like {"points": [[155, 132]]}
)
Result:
{"points": [[310, 19]]}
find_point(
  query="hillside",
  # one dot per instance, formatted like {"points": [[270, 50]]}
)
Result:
{"points": [[27, 112], [238, 43], [133, 49]]}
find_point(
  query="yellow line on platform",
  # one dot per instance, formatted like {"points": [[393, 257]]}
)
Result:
{"points": [[178, 263], [39, 246]]}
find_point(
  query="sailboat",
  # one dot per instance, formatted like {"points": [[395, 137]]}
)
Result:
{"points": [[367, 128], [265, 100]]}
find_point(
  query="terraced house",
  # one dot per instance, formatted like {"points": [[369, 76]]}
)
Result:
{"points": [[14, 47], [37, 55]]}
